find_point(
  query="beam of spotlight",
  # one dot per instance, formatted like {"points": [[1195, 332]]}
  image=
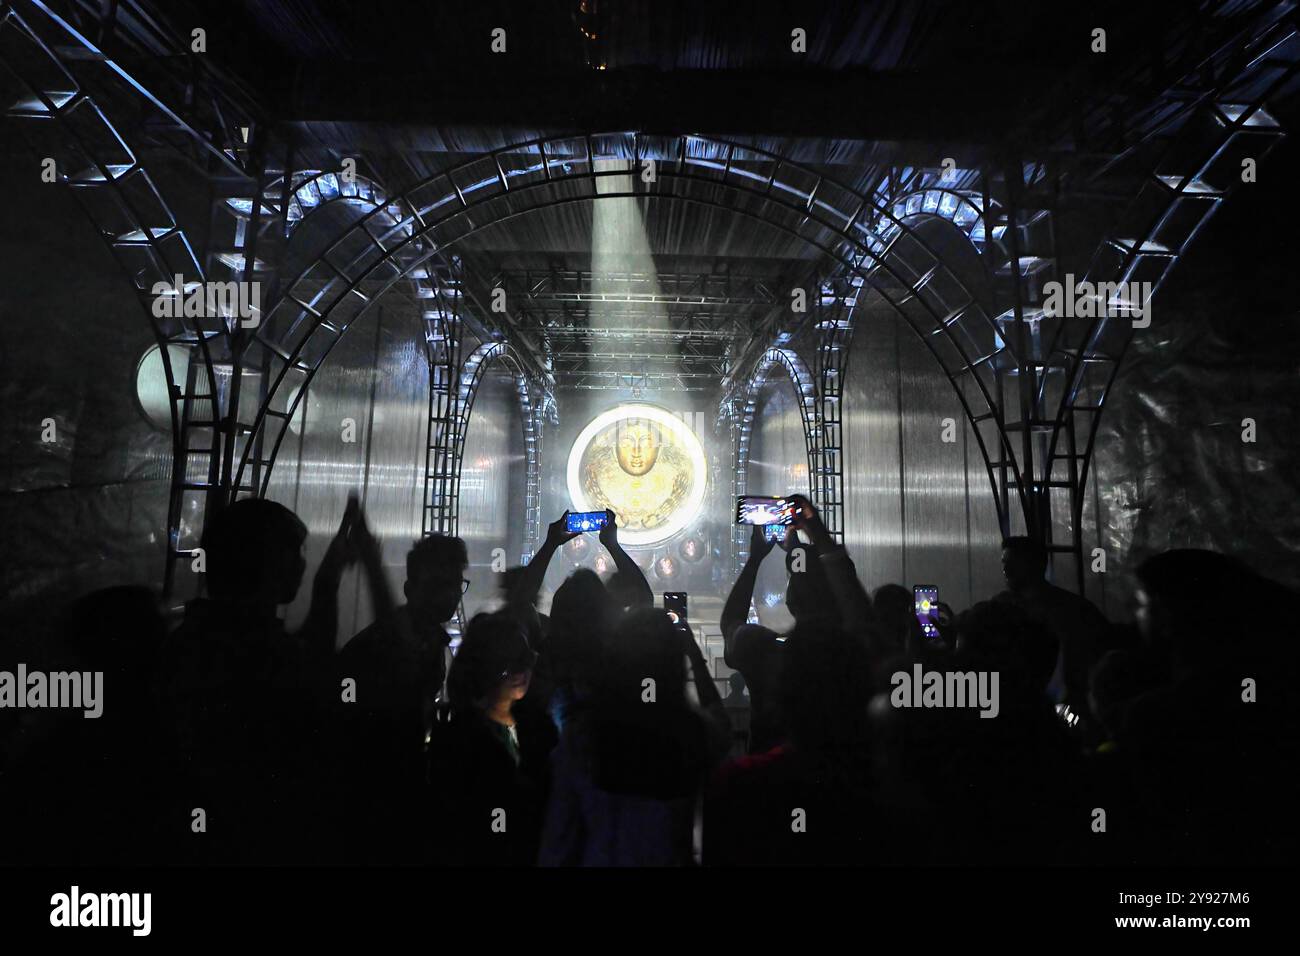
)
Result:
{"points": [[622, 265]]}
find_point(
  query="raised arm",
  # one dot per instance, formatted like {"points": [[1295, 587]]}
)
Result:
{"points": [[320, 630], [524, 593], [623, 561], [711, 706], [367, 551], [353, 542], [736, 609], [852, 601]]}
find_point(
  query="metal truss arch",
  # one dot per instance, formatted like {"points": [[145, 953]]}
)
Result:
{"points": [[110, 182], [963, 208], [805, 388], [1183, 185], [1060, 373], [448, 447], [311, 190], [434, 214]]}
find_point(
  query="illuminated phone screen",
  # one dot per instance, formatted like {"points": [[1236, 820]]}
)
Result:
{"points": [[585, 521], [925, 599], [756, 509], [675, 605]]}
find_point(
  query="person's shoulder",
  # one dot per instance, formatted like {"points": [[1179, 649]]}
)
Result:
{"points": [[206, 628], [754, 634], [739, 770], [460, 731], [201, 615], [535, 724], [1068, 598], [370, 640]]}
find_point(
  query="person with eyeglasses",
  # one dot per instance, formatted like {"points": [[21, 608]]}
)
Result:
{"points": [[398, 666], [488, 758]]}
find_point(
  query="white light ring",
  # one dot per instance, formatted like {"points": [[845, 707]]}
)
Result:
{"points": [[693, 504]]}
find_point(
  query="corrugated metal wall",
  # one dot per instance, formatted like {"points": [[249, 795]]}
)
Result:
{"points": [[917, 509], [778, 464], [377, 379], [942, 528], [83, 506], [89, 510], [490, 515]]}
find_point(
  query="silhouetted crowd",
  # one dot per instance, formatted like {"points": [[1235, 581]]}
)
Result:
{"points": [[595, 735]]}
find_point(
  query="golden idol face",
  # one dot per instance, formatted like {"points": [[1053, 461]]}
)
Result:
{"points": [[648, 468], [637, 448]]}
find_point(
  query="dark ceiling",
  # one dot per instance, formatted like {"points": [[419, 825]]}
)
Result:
{"points": [[873, 71], [413, 88]]}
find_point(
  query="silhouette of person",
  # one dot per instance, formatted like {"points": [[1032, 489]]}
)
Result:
{"points": [[821, 772], [244, 695], [823, 589], [1074, 622], [962, 788], [398, 664], [488, 754], [96, 790], [736, 691], [628, 767], [581, 613], [895, 612], [1210, 751]]}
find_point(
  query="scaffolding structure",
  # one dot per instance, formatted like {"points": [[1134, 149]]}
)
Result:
{"points": [[1151, 163]]}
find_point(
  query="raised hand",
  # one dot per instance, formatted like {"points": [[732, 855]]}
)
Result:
{"points": [[760, 545], [808, 520], [363, 545], [946, 616], [609, 534], [557, 531], [341, 553]]}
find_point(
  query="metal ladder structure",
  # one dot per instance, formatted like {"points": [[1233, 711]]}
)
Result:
{"points": [[1157, 154], [837, 299], [1033, 384], [454, 380], [444, 343], [62, 81], [1164, 172]]}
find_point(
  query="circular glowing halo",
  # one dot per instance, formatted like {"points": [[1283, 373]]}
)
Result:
{"points": [[690, 444]]}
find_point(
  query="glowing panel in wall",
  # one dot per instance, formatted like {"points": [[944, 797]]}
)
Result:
{"points": [[644, 463]]}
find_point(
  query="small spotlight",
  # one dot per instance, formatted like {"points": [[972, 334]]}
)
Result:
{"points": [[692, 549]]}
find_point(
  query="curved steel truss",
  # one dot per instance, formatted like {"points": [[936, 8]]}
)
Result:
{"points": [[1049, 374], [860, 233], [1031, 383], [805, 388], [990, 355], [54, 105], [1174, 169], [449, 418]]}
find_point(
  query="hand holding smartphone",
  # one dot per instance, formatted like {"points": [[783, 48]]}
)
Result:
{"points": [[580, 521], [675, 605], [925, 601], [764, 510]]}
